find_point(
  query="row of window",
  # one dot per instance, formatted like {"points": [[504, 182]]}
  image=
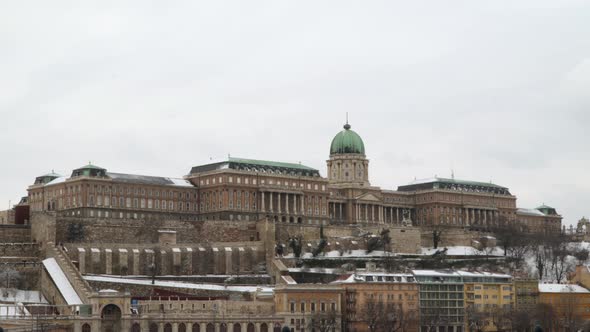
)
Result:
{"points": [[254, 181]]}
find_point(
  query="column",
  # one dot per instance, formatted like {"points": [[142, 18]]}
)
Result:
{"points": [[174, 327], [340, 211], [279, 203], [287, 204], [356, 210], [473, 221], [262, 202], [270, 202], [295, 204], [301, 200], [397, 215]]}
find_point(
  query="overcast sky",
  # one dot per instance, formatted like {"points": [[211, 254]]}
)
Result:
{"points": [[496, 90]]}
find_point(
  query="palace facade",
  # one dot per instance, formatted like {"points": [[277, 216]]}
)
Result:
{"points": [[246, 189]]}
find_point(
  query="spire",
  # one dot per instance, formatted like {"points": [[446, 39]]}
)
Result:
{"points": [[347, 126]]}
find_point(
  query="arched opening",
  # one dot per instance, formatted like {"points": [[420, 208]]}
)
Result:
{"points": [[111, 318], [277, 327], [263, 327], [276, 218], [223, 327], [86, 328], [153, 327], [135, 327], [237, 327], [182, 327], [299, 220], [210, 327], [251, 327], [291, 220], [168, 327], [197, 327]]}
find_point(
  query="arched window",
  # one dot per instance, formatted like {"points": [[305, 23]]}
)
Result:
{"points": [[223, 327], [197, 327], [237, 327], [263, 327], [251, 328], [86, 328], [135, 327], [153, 327], [181, 327], [210, 327], [168, 327]]}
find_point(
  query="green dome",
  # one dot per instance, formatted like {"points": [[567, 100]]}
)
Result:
{"points": [[347, 141]]}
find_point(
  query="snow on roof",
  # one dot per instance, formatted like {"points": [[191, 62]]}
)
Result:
{"points": [[62, 283], [57, 180], [458, 273], [530, 212], [361, 277], [180, 182], [561, 288], [176, 284]]}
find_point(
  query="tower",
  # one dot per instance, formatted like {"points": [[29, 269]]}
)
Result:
{"points": [[348, 164]]}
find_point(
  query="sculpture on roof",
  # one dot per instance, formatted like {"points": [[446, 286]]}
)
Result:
{"points": [[295, 245], [321, 245]]}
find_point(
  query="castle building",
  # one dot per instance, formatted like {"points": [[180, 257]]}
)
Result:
{"points": [[247, 189], [91, 191]]}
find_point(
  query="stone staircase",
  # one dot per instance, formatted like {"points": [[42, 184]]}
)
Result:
{"points": [[74, 276]]}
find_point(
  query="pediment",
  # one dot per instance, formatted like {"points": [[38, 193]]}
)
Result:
{"points": [[368, 197]]}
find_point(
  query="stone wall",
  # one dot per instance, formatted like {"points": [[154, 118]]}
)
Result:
{"points": [[19, 250], [93, 230], [29, 274], [15, 233], [178, 259], [451, 236], [403, 239], [147, 290]]}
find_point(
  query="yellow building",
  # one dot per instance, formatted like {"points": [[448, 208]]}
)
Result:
{"points": [[570, 305], [376, 300], [310, 306], [488, 297], [526, 292]]}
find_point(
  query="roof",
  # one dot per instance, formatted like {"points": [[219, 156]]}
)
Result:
{"points": [[61, 282], [455, 181], [562, 288], [347, 141], [530, 212], [269, 163], [90, 166], [149, 180], [454, 184], [137, 179], [458, 273], [544, 207], [259, 166]]}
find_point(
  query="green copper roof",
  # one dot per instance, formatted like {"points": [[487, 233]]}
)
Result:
{"points": [[90, 166], [544, 207], [270, 163], [347, 141]]}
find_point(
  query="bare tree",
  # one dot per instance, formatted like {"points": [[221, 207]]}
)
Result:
{"points": [[323, 321], [9, 278], [432, 318], [476, 319], [388, 317]]}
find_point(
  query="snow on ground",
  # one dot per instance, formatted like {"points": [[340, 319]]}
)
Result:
{"points": [[177, 284], [62, 283], [464, 251], [357, 253], [11, 295], [13, 310]]}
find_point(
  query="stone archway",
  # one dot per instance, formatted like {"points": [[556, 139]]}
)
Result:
{"points": [[168, 327], [182, 327], [197, 327], [263, 327], [251, 328], [210, 327], [110, 318], [153, 327], [237, 327], [86, 328], [135, 327]]}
